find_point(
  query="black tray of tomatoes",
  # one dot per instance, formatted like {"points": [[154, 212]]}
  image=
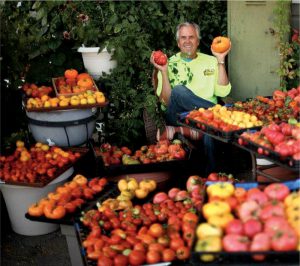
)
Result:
{"points": [[227, 134], [86, 231], [263, 258], [40, 171], [180, 161], [69, 218], [286, 161]]}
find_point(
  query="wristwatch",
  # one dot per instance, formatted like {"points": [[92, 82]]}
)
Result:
{"points": [[221, 63]]}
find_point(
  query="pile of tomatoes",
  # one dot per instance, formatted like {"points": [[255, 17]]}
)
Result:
{"points": [[283, 138], [35, 91], [163, 150], [249, 220], [40, 163], [280, 107], [68, 197]]}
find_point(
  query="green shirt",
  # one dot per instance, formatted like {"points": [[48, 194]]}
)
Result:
{"points": [[200, 75]]}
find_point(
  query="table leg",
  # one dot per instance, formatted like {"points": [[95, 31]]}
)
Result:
{"points": [[73, 247]]}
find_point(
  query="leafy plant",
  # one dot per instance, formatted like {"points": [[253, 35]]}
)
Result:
{"points": [[39, 40], [288, 43]]}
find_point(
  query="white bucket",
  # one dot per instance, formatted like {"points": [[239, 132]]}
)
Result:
{"points": [[96, 62], [63, 128], [19, 198]]}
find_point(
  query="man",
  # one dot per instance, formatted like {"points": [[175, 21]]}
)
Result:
{"points": [[191, 79]]}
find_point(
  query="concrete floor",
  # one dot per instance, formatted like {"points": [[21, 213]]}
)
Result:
{"points": [[19, 250]]}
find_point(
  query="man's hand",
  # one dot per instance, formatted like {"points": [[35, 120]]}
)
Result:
{"points": [[163, 68], [221, 56]]}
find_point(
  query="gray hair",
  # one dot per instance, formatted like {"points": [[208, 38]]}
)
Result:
{"points": [[187, 24]]}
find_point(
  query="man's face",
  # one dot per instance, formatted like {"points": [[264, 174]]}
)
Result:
{"points": [[188, 41]]}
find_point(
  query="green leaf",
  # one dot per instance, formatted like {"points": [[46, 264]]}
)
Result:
{"points": [[117, 28], [58, 59]]}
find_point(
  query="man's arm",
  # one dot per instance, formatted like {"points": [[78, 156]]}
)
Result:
{"points": [[222, 78]]}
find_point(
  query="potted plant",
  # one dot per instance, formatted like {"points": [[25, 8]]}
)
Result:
{"points": [[85, 22]]}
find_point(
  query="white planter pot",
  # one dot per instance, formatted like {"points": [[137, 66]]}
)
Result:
{"points": [[96, 62], [19, 198]]}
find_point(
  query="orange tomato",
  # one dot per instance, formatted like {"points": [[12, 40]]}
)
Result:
{"points": [[220, 44], [36, 210], [83, 76], [156, 230], [85, 83], [80, 180], [71, 73], [52, 211]]}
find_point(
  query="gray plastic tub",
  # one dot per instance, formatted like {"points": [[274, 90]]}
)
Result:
{"points": [[64, 127]]}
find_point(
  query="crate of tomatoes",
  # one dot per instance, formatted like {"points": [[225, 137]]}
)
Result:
{"points": [[161, 156], [219, 121], [249, 223], [279, 142], [37, 165]]}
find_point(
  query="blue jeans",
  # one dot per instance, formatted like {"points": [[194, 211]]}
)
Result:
{"points": [[182, 100]]}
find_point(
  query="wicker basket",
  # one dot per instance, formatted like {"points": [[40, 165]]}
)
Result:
{"points": [[150, 127]]}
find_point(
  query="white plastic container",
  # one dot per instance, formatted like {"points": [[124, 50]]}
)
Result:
{"points": [[96, 62], [64, 128], [19, 198]]}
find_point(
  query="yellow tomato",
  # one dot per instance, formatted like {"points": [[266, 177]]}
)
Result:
{"points": [[210, 243], [122, 184], [205, 229], [222, 190], [215, 208], [292, 198], [132, 184], [220, 220]]}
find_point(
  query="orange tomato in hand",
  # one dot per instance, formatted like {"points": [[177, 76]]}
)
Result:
{"points": [[220, 44]]}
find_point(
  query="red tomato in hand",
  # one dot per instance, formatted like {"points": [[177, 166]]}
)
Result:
{"points": [[160, 58]]}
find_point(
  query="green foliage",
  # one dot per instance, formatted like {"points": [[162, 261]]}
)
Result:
{"points": [[288, 43], [40, 40]]}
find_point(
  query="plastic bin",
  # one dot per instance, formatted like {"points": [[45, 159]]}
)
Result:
{"points": [[63, 128], [19, 198]]}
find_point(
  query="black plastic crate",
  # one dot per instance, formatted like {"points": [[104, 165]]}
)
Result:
{"points": [[113, 170], [287, 161]]}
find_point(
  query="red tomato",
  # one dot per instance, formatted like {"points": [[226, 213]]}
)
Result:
{"points": [[176, 243], [213, 177], [168, 254], [252, 227], [232, 243], [160, 58], [235, 226], [277, 191], [153, 256], [260, 242], [284, 241], [156, 230], [190, 218], [183, 253], [120, 260], [104, 261], [136, 257]]}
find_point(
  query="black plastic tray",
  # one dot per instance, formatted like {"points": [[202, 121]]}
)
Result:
{"points": [[289, 258], [287, 161], [146, 168], [45, 180]]}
